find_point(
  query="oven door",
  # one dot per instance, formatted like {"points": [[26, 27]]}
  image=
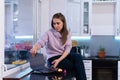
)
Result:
{"points": [[104, 69]]}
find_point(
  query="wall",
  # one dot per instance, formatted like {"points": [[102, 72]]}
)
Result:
{"points": [[1, 36], [111, 45]]}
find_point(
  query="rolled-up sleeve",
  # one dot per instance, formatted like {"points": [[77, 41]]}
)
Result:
{"points": [[43, 39], [68, 44]]}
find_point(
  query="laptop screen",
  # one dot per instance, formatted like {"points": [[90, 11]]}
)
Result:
{"points": [[37, 61]]}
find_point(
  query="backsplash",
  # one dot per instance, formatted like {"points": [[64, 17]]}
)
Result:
{"points": [[112, 46]]}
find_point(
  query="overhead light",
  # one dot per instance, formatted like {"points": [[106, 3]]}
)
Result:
{"points": [[81, 37], [117, 37], [23, 37]]}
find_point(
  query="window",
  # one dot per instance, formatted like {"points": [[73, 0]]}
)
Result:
{"points": [[18, 31]]}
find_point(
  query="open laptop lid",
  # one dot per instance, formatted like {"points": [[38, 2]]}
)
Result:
{"points": [[37, 63]]}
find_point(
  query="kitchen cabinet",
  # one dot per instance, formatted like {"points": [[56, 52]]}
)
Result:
{"points": [[103, 17], [88, 68], [92, 17], [73, 13], [103, 1], [24, 18], [86, 6], [11, 17], [117, 27], [118, 70], [56, 6], [78, 17]]}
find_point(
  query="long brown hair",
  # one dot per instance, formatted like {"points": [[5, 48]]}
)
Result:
{"points": [[64, 31]]}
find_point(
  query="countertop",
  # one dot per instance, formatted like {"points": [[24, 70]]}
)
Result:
{"points": [[108, 61], [105, 58], [28, 74]]}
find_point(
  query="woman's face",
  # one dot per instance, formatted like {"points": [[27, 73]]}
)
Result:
{"points": [[58, 24]]}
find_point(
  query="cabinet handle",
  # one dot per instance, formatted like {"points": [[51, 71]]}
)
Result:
{"points": [[117, 31], [90, 31]]}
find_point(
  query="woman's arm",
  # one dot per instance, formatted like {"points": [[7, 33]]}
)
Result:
{"points": [[40, 43], [35, 48], [56, 61]]}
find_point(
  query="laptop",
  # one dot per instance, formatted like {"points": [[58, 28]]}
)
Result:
{"points": [[37, 64]]}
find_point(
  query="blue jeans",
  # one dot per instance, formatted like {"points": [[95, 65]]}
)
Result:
{"points": [[72, 62]]}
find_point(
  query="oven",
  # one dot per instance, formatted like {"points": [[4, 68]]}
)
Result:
{"points": [[104, 69]]}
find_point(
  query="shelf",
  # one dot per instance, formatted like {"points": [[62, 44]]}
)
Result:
{"points": [[104, 2]]}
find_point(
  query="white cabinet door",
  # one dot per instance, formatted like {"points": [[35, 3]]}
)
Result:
{"points": [[103, 1], [56, 6], [118, 70], [88, 68], [86, 6], [117, 27], [78, 17], [103, 18], [73, 11]]}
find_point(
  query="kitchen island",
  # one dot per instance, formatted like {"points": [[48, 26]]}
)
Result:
{"points": [[27, 74], [107, 68]]}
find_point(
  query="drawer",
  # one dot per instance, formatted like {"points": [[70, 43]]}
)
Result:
{"points": [[118, 64], [89, 77], [88, 71], [87, 63]]}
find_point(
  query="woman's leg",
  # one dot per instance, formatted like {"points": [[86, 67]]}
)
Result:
{"points": [[72, 62], [64, 64], [77, 61]]}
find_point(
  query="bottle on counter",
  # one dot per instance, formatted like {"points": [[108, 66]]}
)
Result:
{"points": [[87, 51], [82, 50]]}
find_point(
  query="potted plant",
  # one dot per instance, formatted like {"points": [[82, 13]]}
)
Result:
{"points": [[101, 52]]}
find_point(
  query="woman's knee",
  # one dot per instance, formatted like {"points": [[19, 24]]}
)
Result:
{"points": [[65, 64], [76, 57]]}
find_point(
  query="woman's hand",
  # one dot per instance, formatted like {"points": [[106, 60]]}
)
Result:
{"points": [[33, 51], [55, 63]]}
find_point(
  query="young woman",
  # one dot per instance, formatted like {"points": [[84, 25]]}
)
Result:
{"points": [[57, 41]]}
